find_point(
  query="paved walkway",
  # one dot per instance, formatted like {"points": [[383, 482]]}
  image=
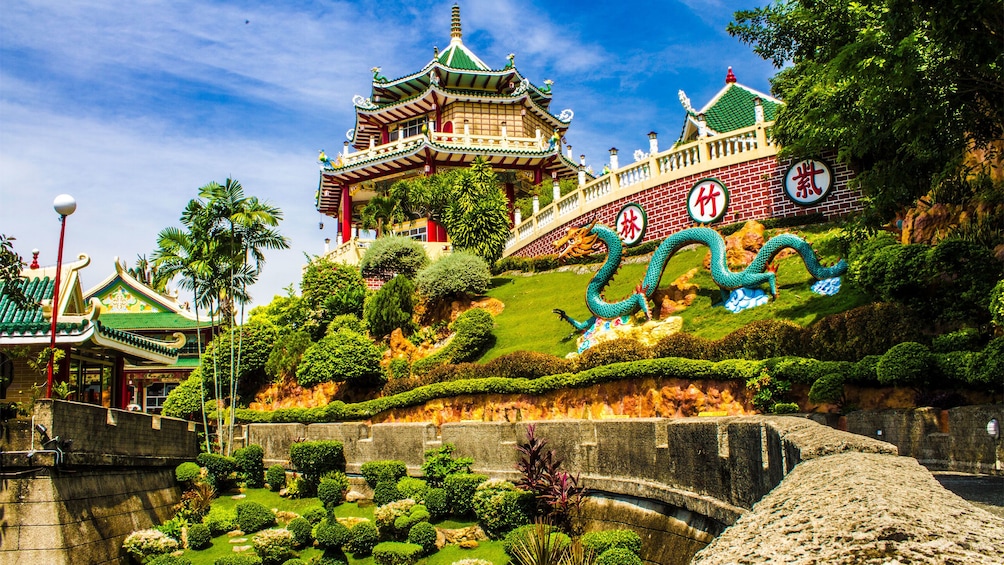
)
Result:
{"points": [[984, 491]]}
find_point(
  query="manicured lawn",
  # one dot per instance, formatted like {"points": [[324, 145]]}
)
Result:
{"points": [[528, 324]]}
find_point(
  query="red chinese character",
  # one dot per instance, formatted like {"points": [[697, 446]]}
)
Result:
{"points": [[806, 179], [629, 228], [710, 198]]}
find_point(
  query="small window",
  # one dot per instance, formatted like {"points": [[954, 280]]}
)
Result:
{"points": [[156, 394], [418, 234], [408, 129]]}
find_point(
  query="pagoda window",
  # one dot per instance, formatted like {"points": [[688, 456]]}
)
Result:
{"points": [[418, 234], [156, 394], [409, 128]]}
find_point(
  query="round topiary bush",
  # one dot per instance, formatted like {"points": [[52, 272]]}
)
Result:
{"points": [[363, 538], [682, 344], [907, 363], [273, 546], [250, 465], [500, 507], [386, 492], [396, 553], [220, 521], [238, 559], [199, 536], [413, 488], [315, 515], [275, 476], [331, 534], [253, 517], [454, 275], [168, 559], [294, 561], [828, 389], [393, 254], [302, 531], [383, 470], [423, 534], [342, 356], [437, 503], [618, 556], [187, 472], [600, 542], [331, 491]]}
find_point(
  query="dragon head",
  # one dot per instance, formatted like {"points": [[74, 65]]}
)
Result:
{"points": [[578, 242]]}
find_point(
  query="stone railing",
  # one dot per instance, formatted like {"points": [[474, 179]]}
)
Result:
{"points": [[460, 140], [352, 251], [653, 170]]}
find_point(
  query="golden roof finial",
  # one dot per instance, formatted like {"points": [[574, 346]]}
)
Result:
{"points": [[455, 23]]}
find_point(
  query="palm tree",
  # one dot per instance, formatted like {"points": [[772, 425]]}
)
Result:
{"points": [[380, 212]]}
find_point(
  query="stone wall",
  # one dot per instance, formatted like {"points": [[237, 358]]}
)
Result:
{"points": [[755, 193], [78, 506]]}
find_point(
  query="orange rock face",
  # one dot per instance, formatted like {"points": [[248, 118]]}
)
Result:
{"points": [[677, 296]]}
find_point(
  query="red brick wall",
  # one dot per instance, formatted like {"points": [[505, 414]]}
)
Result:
{"points": [[755, 193]]}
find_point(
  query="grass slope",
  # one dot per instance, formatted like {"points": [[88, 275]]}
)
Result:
{"points": [[527, 322]]}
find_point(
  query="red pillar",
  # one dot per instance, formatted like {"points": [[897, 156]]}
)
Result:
{"points": [[345, 215], [510, 198], [120, 385]]}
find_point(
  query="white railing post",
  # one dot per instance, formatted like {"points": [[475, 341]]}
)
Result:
{"points": [[517, 217], [536, 205], [555, 188], [582, 170], [653, 143]]}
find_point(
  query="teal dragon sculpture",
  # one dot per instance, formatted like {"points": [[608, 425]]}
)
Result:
{"points": [[586, 239]]}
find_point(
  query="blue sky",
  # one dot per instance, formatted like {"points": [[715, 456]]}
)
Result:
{"points": [[131, 106]]}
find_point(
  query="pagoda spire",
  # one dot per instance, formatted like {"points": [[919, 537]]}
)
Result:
{"points": [[455, 33]]}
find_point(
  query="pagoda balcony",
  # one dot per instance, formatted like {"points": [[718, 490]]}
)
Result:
{"points": [[352, 251], [461, 141]]}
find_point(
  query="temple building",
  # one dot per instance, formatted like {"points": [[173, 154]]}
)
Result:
{"points": [[95, 354], [130, 304], [453, 110]]}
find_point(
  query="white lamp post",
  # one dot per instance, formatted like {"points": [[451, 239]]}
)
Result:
{"points": [[64, 204]]}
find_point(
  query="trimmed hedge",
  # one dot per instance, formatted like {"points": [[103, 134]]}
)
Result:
{"points": [[250, 466], [275, 476], [618, 556], [331, 534], [218, 468], [383, 470], [600, 542], [396, 553], [187, 472], [199, 536], [472, 335], [315, 458], [460, 489], [332, 488], [252, 516], [302, 531], [364, 537], [423, 534]]}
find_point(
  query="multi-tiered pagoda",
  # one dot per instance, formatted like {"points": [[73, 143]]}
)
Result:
{"points": [[444, 116]]}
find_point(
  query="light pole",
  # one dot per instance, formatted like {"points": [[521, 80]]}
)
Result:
{"points": [[64, 204]]}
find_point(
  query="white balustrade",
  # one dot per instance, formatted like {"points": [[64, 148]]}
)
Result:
{"points": [[634, 174], [545, 217], [598, 189], [569, 204]]}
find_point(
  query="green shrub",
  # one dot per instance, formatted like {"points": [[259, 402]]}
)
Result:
{"points": [[384, 470], [398, 369], [239, 559], [275, 476], [386, 492], [174, 527], [331, 534], [273, 546], [996, 304], [315, 458], [302, 531], [294, 561], [684, 345], [342, 356], [396, 553], [437, 503], [600, 542], [220, 521], [399, 516], [761, 339], [472, 335], [454, 275], [906, 363], [250, 465], [330, 557], [219, 469], [390, 308], [501, 507], [866, 330], [332, 488], [167, 559], [423, 534], [330, 289], [350, 322], [315, 515], [199, 536], [614, 351], [145, 544], [364, 537], [393, 254], [187, 472], [991, 364], [618, 556], [415, 515], [961, 281], [895, 273], [460, 488], [252, 517], [525, 365], [966, 339], [441, 462], [828, 389], [413, 488], [187, 399], [767, 390], [784, 408]]}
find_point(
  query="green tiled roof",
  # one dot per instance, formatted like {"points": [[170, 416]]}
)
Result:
{"points": [[36, 289], [135, 340], [457, 56], [734, 110], [148, 321]]}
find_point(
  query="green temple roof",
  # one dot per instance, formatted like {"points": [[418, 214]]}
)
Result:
{"points": [[734, 109], [149, 321]]}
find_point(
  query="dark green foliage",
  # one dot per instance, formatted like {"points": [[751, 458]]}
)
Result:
{"points": [[895, 273], [828, 389], [437, 503], [618, 556], [500, 507], [391, 308], [220, 521], [364, 537], [385, 492], [315, 515], [394, 254], [332, 488], [388, 470], [397, 553], [991, 364], [963, 275], [423, 534], [239, 559], [186, 400], [907, 363], [255, 340], [600, 542], [460, 489], [187, 472], [342, 356], [219, 469], [252, 517], [330, 289], [168, 559], [287, 351], [199, 536], [301, 530], [250, 465], [966, 339], [330, 534], [275, 476], [441, 462], [294, 561], [413, 488], [315, 458], [997, 304], [330, 557], [473, 335], [767, 390], [682, 344], [526, 365], [867, 330], [761, 339], [454, 275], [613, 351]]}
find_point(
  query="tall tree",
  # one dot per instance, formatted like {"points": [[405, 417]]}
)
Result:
{"points": [[379, 213], [10, 273], [900, 88]]}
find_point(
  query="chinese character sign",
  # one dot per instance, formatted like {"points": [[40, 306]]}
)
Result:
{"points": [[808, 181], [630, 224], [707, 201]]}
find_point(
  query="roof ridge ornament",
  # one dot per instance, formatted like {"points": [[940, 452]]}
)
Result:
{"points": [[730, 77], [685, 101]]}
